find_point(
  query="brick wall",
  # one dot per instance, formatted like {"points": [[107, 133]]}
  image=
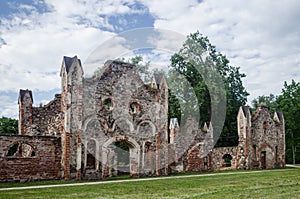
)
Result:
{"points": [[45, 164]]}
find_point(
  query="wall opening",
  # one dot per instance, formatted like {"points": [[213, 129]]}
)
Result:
{"points": [[227, 160], [90, 156], [21, 150], [134, 108], [276, 155], [107, 103], [120, 155], [205, 163], [263, 160], [149, 160], [254, 152], [120, 161]]}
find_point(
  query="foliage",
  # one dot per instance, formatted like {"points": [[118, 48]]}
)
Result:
{"points": [[270, 101], [289, 104], [195, 48], [142, 67], [8, 126]]}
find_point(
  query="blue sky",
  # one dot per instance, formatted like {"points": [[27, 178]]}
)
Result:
{"points": [[259, 36]]}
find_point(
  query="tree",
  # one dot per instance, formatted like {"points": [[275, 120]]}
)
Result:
{"points": [[289, 104], [142, 67], [8, 125], [198, 50], [269, 100]]}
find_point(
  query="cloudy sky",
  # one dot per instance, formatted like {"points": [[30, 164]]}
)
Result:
{"points": [[262, 37]]}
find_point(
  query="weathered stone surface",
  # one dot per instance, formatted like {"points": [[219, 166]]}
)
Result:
{"points": [[92, 114]]}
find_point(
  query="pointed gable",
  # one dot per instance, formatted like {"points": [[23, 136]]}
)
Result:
{"points": [[22, 94], [278, 116], [68, 62], [157, 80], [174, 123], [245, 110], [205, 128]]}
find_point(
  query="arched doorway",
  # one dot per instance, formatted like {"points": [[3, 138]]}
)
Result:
{"points": [[121, 159], [267, 157], [227, 160], [110, 156]]}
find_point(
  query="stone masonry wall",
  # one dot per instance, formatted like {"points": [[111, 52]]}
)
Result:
{"points": [[218, 160], [43, 164], [46, 119], [265, 141]]}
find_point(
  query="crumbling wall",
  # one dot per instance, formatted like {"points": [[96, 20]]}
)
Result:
{"points": [[118, 104], [197, 160], [219, 156], [43, 163], [46, 119]]}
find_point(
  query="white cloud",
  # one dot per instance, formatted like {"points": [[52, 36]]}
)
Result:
{"points": [[262, 37], [8, 107], [33, 42]]}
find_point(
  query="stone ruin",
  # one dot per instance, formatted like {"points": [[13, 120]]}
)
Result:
{"points": [[113, 123]]}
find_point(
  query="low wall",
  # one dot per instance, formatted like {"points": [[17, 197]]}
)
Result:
{"points": [[218, 157], [43, 164]]}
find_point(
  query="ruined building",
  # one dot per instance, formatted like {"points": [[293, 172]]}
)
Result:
{"points": [[113, 123]]}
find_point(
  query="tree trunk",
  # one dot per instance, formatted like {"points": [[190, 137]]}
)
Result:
{"points": [[294, 155], [293, 149]]}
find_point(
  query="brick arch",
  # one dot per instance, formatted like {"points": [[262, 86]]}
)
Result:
{"points": [[134, 154], [264, 145]]}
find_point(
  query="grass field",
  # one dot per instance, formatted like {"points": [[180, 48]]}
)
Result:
{"points": [[283, 183]]}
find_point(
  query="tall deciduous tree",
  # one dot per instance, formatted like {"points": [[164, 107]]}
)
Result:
{"points": [[289, 104], [196, 47]]}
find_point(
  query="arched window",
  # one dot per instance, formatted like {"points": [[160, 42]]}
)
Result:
{"points": [[90, 156], [21, 150], [107, 104], [134, 108], [254, 152]]}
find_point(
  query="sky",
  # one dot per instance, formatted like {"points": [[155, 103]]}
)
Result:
{"points": [[262, 37]]}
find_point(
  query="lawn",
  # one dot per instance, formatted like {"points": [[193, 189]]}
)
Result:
{"points": [[283, 183]]}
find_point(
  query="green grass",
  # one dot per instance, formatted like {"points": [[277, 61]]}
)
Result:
{"points": [[283, 183]]}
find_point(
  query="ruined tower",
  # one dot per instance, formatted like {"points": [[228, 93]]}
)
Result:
{"points": [[25, 102], [71, 111]]}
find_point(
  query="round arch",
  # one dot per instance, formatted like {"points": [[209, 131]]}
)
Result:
{"points": [[119, 120], [153, 127], [134, 155]]}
